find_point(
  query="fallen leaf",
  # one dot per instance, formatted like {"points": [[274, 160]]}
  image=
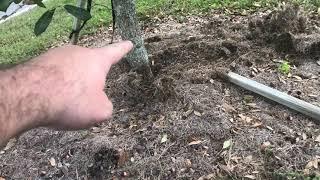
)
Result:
{"points": [[188, 163], [227, 144], [304, 136], [248, 98], [245, 118], [297, 77], [52, 162], [250, 176], [265, 145], [95, 129], [257, 124], [197, 113], [123, 157], [209, 176], [10, 144], [195, 142], [313, 163], [228, 108], [164, 138], [252, 105]]}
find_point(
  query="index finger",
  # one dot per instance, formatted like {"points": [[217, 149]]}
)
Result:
{"points": [[113, 53]]}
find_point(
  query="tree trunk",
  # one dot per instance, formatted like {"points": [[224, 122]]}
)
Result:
{"points": [[129, 29], [77, 23]]}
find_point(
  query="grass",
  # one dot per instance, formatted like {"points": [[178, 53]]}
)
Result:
{"points": [[18, 43]]}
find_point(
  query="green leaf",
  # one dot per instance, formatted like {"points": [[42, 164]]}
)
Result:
{"points": [[39, 3], [227, 144], [43, 23], [4, 4], [17, 1], [78, 12]]}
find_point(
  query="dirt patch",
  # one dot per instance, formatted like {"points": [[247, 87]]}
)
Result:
{"points": [[178, 130]]}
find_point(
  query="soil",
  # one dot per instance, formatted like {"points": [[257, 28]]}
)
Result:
{"points": [[190, 124]]}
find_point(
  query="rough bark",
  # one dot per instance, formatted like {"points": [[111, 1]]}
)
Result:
{"points": [[77, 23], [129, 29]]}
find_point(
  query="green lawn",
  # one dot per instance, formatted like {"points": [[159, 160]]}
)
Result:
{"points": [[17, 42]]}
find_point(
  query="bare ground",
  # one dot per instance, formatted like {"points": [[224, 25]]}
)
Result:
{"points": [[177, 128]]}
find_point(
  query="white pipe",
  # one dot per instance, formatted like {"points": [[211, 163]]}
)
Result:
{"points": [[275, 95]]}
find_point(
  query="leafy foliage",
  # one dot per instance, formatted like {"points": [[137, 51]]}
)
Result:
{"points": [[46, 18], [44, 21], [77, 12], [285, 67]]}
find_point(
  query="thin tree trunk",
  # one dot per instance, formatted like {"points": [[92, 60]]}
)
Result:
{"points": [[129, 29], [77, 23]]}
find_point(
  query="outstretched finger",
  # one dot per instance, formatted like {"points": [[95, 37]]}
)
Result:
{"points": [[113, 53]]}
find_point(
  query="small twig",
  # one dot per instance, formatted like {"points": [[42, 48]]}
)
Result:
{"points": [[165, 150], [113, 21]]}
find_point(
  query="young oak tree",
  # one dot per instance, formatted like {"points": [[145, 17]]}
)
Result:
{"points": [[124, 19]]}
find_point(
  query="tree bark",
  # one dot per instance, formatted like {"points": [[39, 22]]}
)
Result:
{"points": [[129, 29], [77, 23]]}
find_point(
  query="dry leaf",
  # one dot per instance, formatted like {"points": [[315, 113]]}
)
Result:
{"points": [[123, 157], [164, 138], [52, 162], [188, 163], [304, 136], [250, 176], [265, 145], [197, 113], [297, 77], [195, 142], [313, 163], [209, 176], [10, 144], [95, 129], [252, 105], [228, 108], [257, 124], [245, 118]]}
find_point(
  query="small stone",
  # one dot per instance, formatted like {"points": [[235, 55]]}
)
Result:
{"points": [[52, 162]]}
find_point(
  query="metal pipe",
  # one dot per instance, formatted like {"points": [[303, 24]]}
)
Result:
{"points": [[275, 95]]}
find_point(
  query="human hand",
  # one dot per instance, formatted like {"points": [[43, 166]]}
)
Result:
{"points": [[74, 85]]}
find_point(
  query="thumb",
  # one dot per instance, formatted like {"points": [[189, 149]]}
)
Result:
{"points": [[101, 108], [113, 53]]}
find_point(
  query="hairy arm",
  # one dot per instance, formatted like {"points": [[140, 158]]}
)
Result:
{"points": [[20, 106], [62, 89]]}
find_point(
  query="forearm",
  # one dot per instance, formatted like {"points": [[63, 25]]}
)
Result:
{"points": [[21, 106]]}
